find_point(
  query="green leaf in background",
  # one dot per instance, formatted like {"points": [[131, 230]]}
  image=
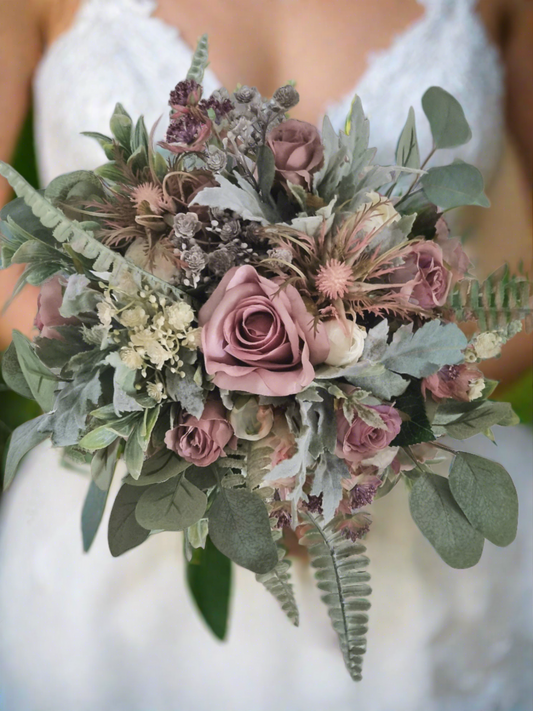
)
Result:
{"points": [[439, 518], [455, 185], [12, 373], [41, 381], [209, 581], [239, 527], [407, 153], [124, 532], [446, 117], [25, 437], [487, 496], [173, 505], [103, 464], [417, 428], [462, 420]]}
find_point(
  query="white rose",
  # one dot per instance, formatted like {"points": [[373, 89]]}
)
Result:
{"points": [[376, 212], [250, 420], [346, 343], [476, 388], [487, 345]]}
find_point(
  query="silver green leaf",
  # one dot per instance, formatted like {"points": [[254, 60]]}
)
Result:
{"points": [[277, 582], [173, 505], [407, 153], [12, 373], [161, 467], [340, 573], [455, 185], [446, 117], [186, 391], [329, 473], [439, 517], [424, 352], [23, 439], [487, 496], [124, 532], [240, 529]]}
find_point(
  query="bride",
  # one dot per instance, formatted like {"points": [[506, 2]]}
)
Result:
{"points": [[84, 632]]}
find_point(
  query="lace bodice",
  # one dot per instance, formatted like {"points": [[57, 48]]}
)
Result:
{"points": [[116, 50]]}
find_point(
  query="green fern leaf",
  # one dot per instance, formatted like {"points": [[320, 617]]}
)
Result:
{"points": [[495, 303], [277, 582], [200, 60], [258, 463], [83, 242], [340, 574]]}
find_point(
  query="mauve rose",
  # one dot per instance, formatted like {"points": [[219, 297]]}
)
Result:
{"points": [[426, 280], [297, 149], [202, 441], [452, 251], [259, 338], [358, 440], [452, 381], [48, 303]]}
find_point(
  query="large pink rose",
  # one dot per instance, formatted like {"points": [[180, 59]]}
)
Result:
{"points": [[297, 149], [202, 441], [426, 280], [48, 303], [260, 338], [358, 440]]}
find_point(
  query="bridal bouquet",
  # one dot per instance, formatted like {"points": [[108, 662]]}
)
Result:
{"points": [[262, 323]]}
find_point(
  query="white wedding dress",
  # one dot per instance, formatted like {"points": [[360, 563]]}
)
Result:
{"points": [[92, 633]]}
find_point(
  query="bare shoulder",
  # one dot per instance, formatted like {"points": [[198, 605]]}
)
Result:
{"points": [[52, 16], [501, 17]]}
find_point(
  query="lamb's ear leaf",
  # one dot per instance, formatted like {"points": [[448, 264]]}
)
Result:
{"points": [[440, 519], [124, 532], [487, 496], [23, 439], [446, 117], [209, 580], [200, 60]]}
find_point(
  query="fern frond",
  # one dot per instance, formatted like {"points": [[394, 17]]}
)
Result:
{"points": [[200, 60], [258, 463], [340, 574], [277, 582], [68, 232], [494, 303]]}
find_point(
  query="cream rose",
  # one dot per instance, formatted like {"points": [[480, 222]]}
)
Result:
{"points": [[250, 420], [346, 342]]}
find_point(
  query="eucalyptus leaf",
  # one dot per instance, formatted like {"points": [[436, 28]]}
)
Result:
{"points": [[240, 529], [416, 428], [407, 153], [161, 467], [446, 117], [103, 464], [23, 439], [173, 505], [455, 185], [440, 519], [92, 513], [462, 420], [124, 532], [97, 439], [487, 496], [209, 580], [134, 452]]}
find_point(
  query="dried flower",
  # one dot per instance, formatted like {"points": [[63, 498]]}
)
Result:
{"points": [[230, 230], [106, 312], [245, 94], [179, 315], [186, 224], [185, 92], [150, 194], [155, 391], [220, 261], [286, 96], [334, 279], [194, 258], [131, 318], [215, 159], [131, 358]]}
